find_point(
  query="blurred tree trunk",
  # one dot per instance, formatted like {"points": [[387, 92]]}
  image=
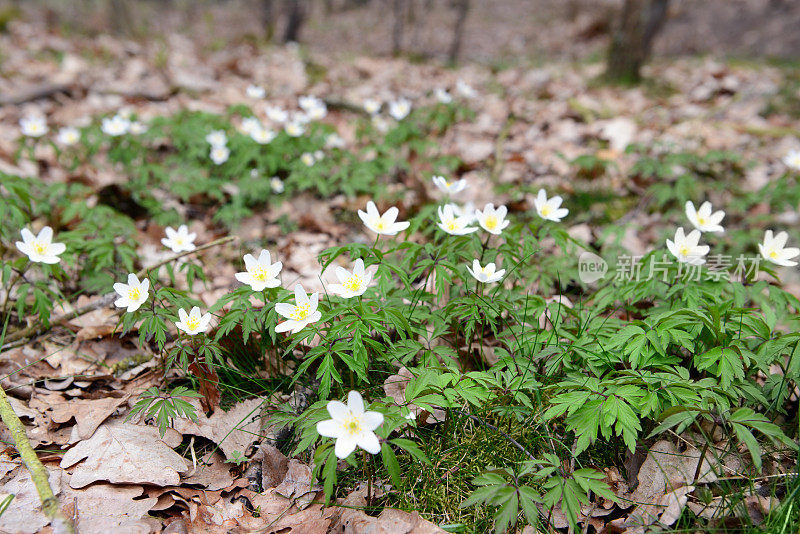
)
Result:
{"points": [[462, 7], [297, 14], [268, 18], [632, 40], [397, 30], [121, 19]]}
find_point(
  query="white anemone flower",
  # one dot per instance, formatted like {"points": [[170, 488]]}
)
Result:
{"points": [[255, 92], [774, 249], [276, 184], [703, 219], [792, 160], [40, 248], [351, 426], [453, 225], [262, 135], [260, 273], [465, 89], [448, 187], [308, 159], [686, 248], [294, 129], [133, 294], [219, 154], [217, 138], [115, 126], [399, 109], [380, 124], [300, 117], [549, 209], [68, 136], [372, 106], [180, 240], [299, 315], [314, 107], [250, 125], [138, 128], [442, 95], [352, 284], [492, 219], [33, 126], [334, 140], [488, 274], [467, 211], [194, 322], [385, 224], [276, 114]]}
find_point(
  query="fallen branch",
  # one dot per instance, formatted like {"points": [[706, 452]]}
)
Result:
{"points": [[50, 505], [103, 302], [34, 93]]}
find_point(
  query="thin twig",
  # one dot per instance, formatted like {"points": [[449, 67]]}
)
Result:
{"points": [[50, 505], [103, 302]]}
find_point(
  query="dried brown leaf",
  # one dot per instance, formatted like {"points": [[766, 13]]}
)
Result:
{"points": [[126, 453]]}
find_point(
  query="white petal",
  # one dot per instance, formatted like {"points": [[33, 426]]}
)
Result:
{"points": [[284, 308], [372, 420], [344, 447], [330, 428], [338, 410], [27, 236], [355, 403], [369, 442], [300, 296], [46, 235]]}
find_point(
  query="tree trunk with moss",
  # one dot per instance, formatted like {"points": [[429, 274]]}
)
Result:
{"points": [[632, 39]]}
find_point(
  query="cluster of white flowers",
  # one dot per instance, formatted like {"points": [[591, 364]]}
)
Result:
{"points": [[220, 152], [310, 158], [314, 108], [443, 96], [687, 249], [456, 220], [115, 126], [398, 109], [256, 92]]}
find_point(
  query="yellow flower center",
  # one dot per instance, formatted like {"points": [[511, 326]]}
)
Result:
{"points": [[193, 323], [448, 184], [179, 241], [353, 426], [40, 248], [684, 250], [773, 254], [134, 293], [301, 313], [490, 222], [261, 274], [451, 225], [380, 225], [701, 221], [353, 283], [546, 210]]}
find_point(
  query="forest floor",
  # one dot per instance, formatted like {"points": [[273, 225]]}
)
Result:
{"points": [[535, 125]]}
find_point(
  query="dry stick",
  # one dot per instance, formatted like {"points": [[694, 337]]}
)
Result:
{"points": [[50, 505], [104, 301]]}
